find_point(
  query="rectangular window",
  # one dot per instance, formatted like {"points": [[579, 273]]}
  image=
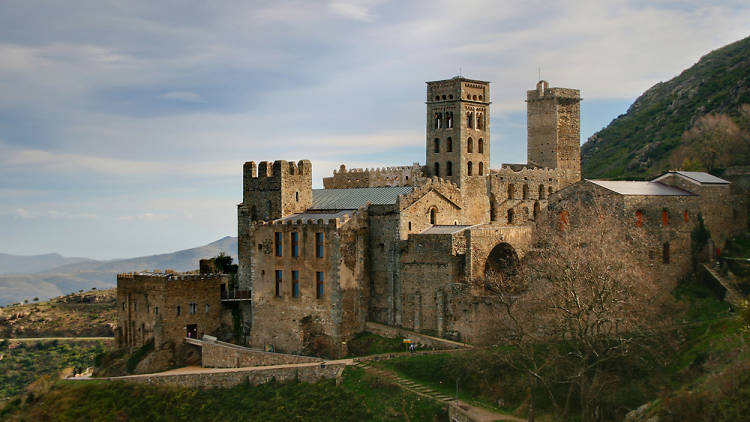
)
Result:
{"points": [[319, 285], [295, 243], [179, 310], [148, 308], [135, 306], [193, 308], [278, 283], [207, 307], [319, 245], [295, 283], [156, 310], [665, 253], [277, 243]]}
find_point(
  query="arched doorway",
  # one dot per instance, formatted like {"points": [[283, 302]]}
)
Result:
{"points": [[502, 261]]}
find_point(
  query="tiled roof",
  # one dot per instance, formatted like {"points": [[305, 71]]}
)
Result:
{"points": [[699, 177], [444, 229], [351, 199], [640, 188]]}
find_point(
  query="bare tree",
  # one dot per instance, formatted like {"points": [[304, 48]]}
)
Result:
{"points": [[586, 289], [717, 141]]}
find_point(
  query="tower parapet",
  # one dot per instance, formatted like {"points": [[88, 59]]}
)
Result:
{"points": [[275, 190]]}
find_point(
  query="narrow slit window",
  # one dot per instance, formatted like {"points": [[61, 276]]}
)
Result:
{"points": [[278, 282], [295, 283], [278, 237], [319, 285], [319, 245], [295, 243]]}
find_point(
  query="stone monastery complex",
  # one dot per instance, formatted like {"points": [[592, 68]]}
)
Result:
{"points": [[400, 245]]}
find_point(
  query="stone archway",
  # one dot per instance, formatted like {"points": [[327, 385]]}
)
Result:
{"points": [[502, 260]]}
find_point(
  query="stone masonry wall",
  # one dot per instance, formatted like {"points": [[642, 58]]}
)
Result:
{"points": [[224, 355], [376, 177]]}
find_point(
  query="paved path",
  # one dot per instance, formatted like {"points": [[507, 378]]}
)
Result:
{"points": [[27, 339]]}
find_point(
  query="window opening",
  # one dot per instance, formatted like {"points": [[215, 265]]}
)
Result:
{"points": [[437, 169], [665, 253], [525, 191], [320, 285], [469, 168], [319, 245], [278, 244], [510, 216], [295, 283], [470, 145], [449, 145], [470, 120], [664, 217], [179, 310], [481, 168], [480, 146], [541, 191], [295, 243], [278, 283], [511, 191], [433, 216], [193, 308], [449, 168], [436, 145]]}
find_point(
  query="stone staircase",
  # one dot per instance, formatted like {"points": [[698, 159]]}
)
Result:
{"points": [[405, 383]]}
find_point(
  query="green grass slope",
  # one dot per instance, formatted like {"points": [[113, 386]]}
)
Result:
{"points": [[638, 143]]}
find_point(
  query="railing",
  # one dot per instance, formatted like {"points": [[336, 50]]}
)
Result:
{"points": [[236, 295]]}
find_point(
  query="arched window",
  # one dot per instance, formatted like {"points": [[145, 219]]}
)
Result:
{"points": [[536, 210], [449, 119], [541, 191], [470, 145], [436, 145], [510, 216], [511, 190], [549, 190], [433, 216], [449, 145], [481, 168], [525, 191], [410, 226], [469, 168], [480, 146], [665, 217], [438, 120], [480, 121], [639, 218], [296, 196], [437, 169], [470, 120], [449, 168], [493, 211]]}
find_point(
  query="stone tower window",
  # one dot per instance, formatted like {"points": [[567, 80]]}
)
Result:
{"points": [[469, 168], [320, 285], [295, 283], [295, 243], [437, 98], [410, 226], [433, 216], [438, 120], [449, 145], [296, 196], [493, 211], [474, 97], [665, 253], [481, 168], [450, 97], [470, 145], [480, 145], [278, 283], [480, 121], [319, 245], [436, 145], [437, 169], [470, 120], [511, 191], [510, 216], [443, 96], [541, 191], [536, 209], [278, 245], [665, 218], [639, 218], [525, 191], [179, 310], [449, 118], [449, 168]]}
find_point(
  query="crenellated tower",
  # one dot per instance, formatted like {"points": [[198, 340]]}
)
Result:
{"points": [[458, 129], [554, 131]]}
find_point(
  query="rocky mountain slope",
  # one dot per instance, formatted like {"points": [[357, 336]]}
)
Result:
{"points": [[639, 143], [19, 264]]}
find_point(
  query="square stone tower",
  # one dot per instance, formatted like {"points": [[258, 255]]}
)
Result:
{"points": [[458, 129], [554, 131]]}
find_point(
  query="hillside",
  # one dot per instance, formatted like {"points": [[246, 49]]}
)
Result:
{"points": [[18, 264], [101, 274], [639, 143]]}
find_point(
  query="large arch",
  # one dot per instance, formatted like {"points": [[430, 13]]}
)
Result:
{"points": [[502, 260]]}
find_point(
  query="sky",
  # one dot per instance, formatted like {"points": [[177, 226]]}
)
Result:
{"points": [[124, 125]]}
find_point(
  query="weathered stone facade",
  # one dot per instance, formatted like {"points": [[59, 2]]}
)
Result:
{"points": [[166, 308]]}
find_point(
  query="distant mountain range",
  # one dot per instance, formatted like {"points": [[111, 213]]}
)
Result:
{"points": [[640, 143], [46, 276]]}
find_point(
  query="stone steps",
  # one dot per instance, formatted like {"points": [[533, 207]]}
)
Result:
{"points": [[404, 383]]}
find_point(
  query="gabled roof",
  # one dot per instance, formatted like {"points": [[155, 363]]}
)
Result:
{"points": [[352, 199], [699, 177], [640, 188]]}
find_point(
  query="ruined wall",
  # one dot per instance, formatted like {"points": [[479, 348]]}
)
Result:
{"points": [[428, 263], [383, 253], [523, 192], [147, 307], [376, 177], [481, 240], [308, 324]]}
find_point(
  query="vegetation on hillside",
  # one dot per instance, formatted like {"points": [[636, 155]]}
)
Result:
{"points": [[84, 314], [359, 398], [651, 137], [22, 362]]}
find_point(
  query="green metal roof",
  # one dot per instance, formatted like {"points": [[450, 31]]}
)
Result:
{"points": [[351, 199]]}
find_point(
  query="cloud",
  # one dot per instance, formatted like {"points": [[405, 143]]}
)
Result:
{"points": [[187, 96], [357, 10], [148, 216]]}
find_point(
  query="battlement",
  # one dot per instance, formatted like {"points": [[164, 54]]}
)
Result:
{"points": [[277, 169], [532, 172], [166, 276], [373, 177], [446, 188]]}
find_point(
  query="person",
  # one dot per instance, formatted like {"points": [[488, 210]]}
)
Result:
{"points": [[411, 347]]}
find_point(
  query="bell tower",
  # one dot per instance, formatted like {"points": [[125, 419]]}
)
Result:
{"points": [[458, 129]]}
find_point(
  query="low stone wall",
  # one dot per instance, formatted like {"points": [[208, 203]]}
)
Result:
{"points": [[425, 340], [310, 373], [226, 355]]}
